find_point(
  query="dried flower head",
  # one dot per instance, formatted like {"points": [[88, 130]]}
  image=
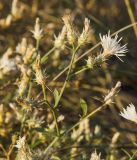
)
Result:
{"points": [[22, 46], [83, 39], [71, 33], [23, 84], [23, 150], [113, 92], [129, 113], [17, 9], [8, 64], [35, 121], [29, 55], [37, 32], [20, 143], [6, 22], [60, 40], [112, 46], [40, 78], [95, 156]]}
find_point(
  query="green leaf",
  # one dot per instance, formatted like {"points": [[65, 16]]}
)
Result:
{"points": [[56, 95], [83, 106]]}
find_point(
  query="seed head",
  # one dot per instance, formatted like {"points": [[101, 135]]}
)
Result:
{"points": [[83, 39], [40, 78], [113, 92], [71, 33]]}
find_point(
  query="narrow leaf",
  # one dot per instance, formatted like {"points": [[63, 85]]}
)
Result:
{"points": [[83, 106]]}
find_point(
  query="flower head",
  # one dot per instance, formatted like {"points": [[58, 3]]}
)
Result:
{"points": [[60, 39], [95, 156], [112, 46], [71, 33], [38, 32], [84, 37], [130, 113], [20, 143]]}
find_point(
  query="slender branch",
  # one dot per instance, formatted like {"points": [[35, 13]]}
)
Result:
{"points": [[67, 77], [51, 144], [54, 116], [88, 116], [47, 54]]}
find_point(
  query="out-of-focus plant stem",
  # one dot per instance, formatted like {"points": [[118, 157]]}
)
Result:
{"points": [[131, 15]]}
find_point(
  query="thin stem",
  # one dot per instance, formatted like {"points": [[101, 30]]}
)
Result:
{"points": [[47, 54], [131, 15], [51, 144], [88, 116], [37, 46], [67, 77], [55, 118], [56, 123], [93, 48], [29, 91], [80, 71], [23, 122], [44, 92]]}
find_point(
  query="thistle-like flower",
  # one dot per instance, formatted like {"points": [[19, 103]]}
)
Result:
{"points": [[85, 33], [129, 113], [112, 46], [37, 32]]}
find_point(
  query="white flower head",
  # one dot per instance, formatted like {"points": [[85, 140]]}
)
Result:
{"points": [[21, 142], [130, 113], [112, 46]]}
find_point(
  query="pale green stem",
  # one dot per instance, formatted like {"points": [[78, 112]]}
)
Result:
{"points": [[51, 144], [29, 91], [52, 109], [88, 116], [44, 92], [80, 71], [47, 54], [67, 77]]}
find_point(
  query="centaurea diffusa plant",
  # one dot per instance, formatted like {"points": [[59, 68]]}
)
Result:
{"points": [[51, 131]]}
